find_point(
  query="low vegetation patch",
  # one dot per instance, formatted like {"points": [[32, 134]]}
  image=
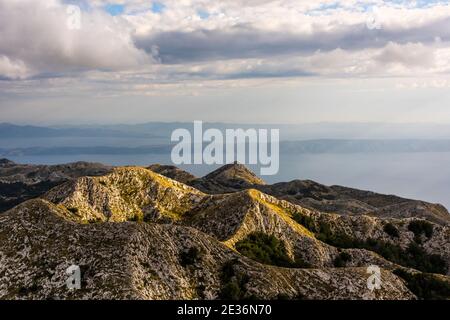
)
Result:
{"points": [[267, 249], [425, 286], [138, 217], [191, 256], [342, 259], [306, 221], [414, 256], [73, 210], [391, 230], [419, 228], [233, 282]]}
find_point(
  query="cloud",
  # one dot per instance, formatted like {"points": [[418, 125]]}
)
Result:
{"points": [[244, 41], [12, 69], [233, 39], [35, 35], [409, 55]]}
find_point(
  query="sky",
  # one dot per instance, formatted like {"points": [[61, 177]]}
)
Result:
{"points": [[253, 61]]}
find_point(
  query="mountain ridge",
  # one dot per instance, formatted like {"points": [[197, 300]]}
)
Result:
{"points": [[173, 241], [138, 267], [313, 195]]}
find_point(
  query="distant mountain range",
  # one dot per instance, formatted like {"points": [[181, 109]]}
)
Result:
{"points": [[8, 130], [306, 131], [154, 138], [286, 147]]}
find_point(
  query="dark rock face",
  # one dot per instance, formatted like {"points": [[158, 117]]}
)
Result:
{"points": [[14, 193], [6, 163]]}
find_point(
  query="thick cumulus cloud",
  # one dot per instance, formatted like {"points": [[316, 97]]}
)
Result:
{"points": [[234, 39], [37, 38], [247, 42], [282, 28]]}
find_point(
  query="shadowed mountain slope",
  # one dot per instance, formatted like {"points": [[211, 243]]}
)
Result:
{"points": [[20, 182]]}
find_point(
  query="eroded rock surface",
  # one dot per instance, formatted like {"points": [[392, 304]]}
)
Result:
{"points": [[143, 261], [137, 234], [21, 182]]}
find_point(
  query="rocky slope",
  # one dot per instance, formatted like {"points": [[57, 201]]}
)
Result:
{"points": [[20, 182], [145, 261], [129, 193], [137, 234], [310, 194], [138, 194], [337, 199]]}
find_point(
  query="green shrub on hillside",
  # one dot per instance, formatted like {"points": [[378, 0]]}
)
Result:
{"points": [[391, 230], [414, 256], [337, 239], [73, 210], [233, 282], [267, 249], [425, 286], [419, 228], [190, 256], [342, 259], [306, 221]]}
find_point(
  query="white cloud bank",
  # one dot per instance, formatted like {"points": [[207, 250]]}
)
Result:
{"points": [[36, 39], [220, 40]]}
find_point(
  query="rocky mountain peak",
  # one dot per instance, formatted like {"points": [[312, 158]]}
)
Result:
{"points": [[235, 172], [6, 163]]}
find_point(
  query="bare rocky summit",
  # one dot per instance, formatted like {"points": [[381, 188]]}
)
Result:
{"points": [[229, 178], [137, 234]]}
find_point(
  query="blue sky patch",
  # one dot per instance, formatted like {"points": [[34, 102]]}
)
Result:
{"points": [[158, 7], [203, 14], [115, 9], [84, 5]]}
